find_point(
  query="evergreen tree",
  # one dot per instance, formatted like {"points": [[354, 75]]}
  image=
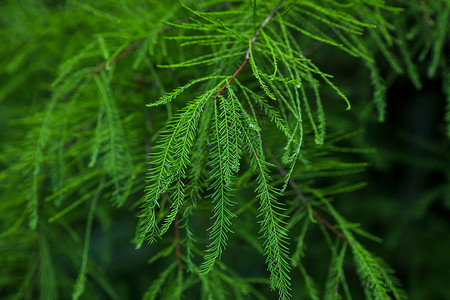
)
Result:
{"points": [[195, 149]]}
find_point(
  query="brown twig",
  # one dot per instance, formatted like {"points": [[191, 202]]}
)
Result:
{"points": [[117, 57], [328, 225], [177, 243], [128, 50], [305, 203], [247, 55], [231, 79], [426, 17]]}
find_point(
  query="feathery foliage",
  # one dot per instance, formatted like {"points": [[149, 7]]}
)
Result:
{"points": [[217, 130]]}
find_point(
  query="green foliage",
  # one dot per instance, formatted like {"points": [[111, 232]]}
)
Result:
{"points": [[227, 177]]}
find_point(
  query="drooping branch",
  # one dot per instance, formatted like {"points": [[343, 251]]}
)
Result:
{"points": [[306, 204]]}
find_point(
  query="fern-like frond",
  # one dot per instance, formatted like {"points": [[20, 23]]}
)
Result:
{"points": [[335, 274], [117, 160], [251, 89], [224, 160], [38, 157], [377, 278], [169, 164], [272, 230]]}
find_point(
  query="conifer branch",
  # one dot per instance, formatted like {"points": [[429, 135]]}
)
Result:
{"points": [[87, 145], [306, 204], [247, 54], [276, 244], [117, 57]]}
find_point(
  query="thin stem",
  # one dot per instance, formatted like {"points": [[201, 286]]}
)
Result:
{"points": [[247, 55], [426, 17], [231, 79], [117, 57], [305, 203], [328, 225], [127, 50]]}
